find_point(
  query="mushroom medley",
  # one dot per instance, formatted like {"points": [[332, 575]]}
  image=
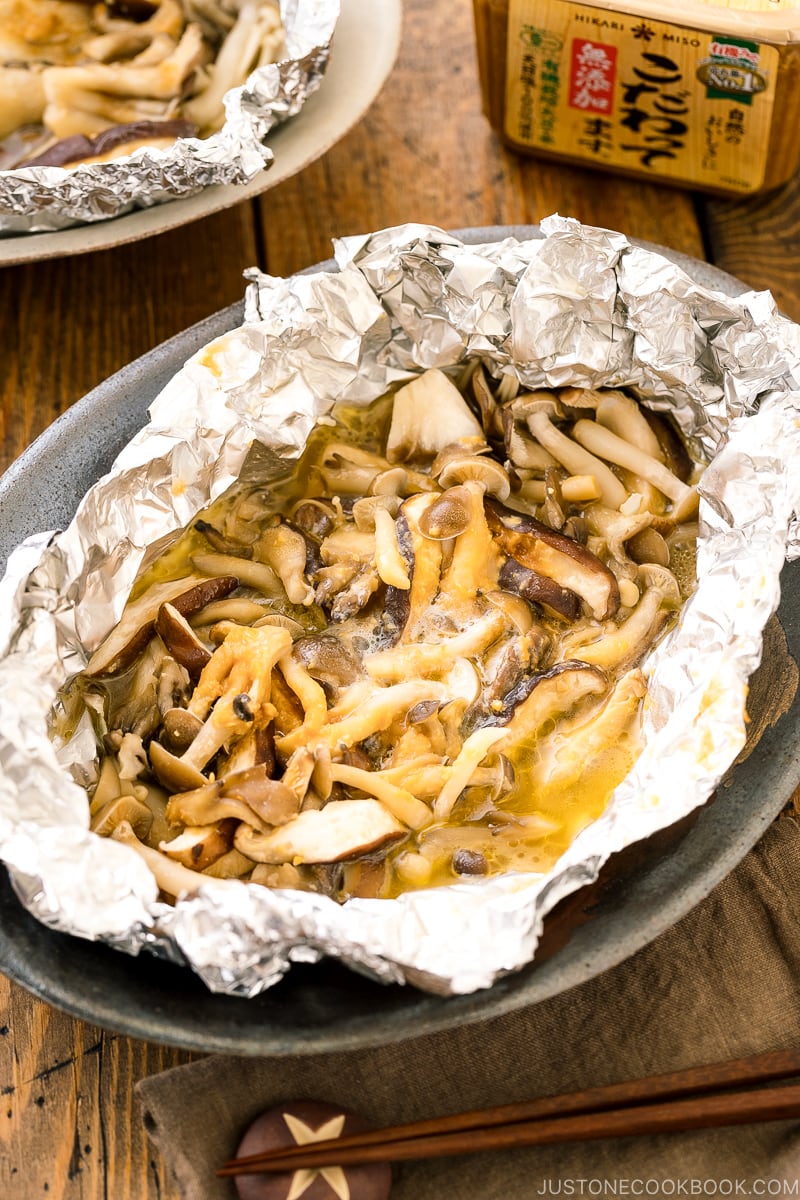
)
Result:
{"points": [[415, 660], [82, 81]]}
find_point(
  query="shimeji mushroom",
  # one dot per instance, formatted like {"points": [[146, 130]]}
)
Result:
{"points": [[629, 641], [255, 39], [540, 409], [236, 682], [610, 446]]}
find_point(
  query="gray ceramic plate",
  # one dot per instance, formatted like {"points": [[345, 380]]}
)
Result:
{"points": [[327, 1007]]}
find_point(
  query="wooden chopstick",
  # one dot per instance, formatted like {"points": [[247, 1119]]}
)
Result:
{"points": [[685, 1101]]}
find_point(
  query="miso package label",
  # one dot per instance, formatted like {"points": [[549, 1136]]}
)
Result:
{"points": [[650, 96]]}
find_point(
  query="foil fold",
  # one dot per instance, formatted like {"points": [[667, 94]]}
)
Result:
{"points": [[577, 305], [44, 199]]}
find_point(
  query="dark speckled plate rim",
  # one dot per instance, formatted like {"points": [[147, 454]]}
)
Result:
{"points": [[327, 1007]]}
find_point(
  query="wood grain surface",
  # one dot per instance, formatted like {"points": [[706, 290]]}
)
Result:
{"points": [[70, 1126]]}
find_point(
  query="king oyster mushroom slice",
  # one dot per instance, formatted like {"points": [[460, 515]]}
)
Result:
{"points": [[199, 846], [136, 626], [561, 559], [428, 414], [342, 829]]}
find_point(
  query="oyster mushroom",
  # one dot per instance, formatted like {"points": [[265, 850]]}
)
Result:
{"points": [[284, 549], [342, 829], [248, 796], [88, 98], [567, 753], [327, 660], [348, 470], [428, 414]]}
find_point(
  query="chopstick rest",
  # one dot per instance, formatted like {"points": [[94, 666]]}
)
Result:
{"points": [[302, 1123]]}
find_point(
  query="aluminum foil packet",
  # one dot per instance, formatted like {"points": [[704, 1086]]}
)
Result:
{"points": [[42, 199], [579, 306]]}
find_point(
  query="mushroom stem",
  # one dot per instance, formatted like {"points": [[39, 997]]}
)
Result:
{"points": [[170, 876], [615, 449], [400, 803], [576, 458]]}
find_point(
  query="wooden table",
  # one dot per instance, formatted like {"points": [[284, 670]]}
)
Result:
{"points": [[70, 1125]]}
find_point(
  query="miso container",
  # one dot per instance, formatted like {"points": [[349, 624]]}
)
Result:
{"points": [[702, 93]]}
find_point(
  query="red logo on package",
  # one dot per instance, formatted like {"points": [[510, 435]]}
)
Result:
{"points": [[592, 73]]}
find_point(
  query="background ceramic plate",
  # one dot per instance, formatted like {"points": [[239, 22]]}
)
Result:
{"points": [[327, 1007], [365, 47]]}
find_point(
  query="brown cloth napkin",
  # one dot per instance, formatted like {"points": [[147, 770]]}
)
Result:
{"points": [[722, 983]]}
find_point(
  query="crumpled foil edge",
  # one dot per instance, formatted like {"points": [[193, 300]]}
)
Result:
{"points": [[44, 199], [579, 306]]}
